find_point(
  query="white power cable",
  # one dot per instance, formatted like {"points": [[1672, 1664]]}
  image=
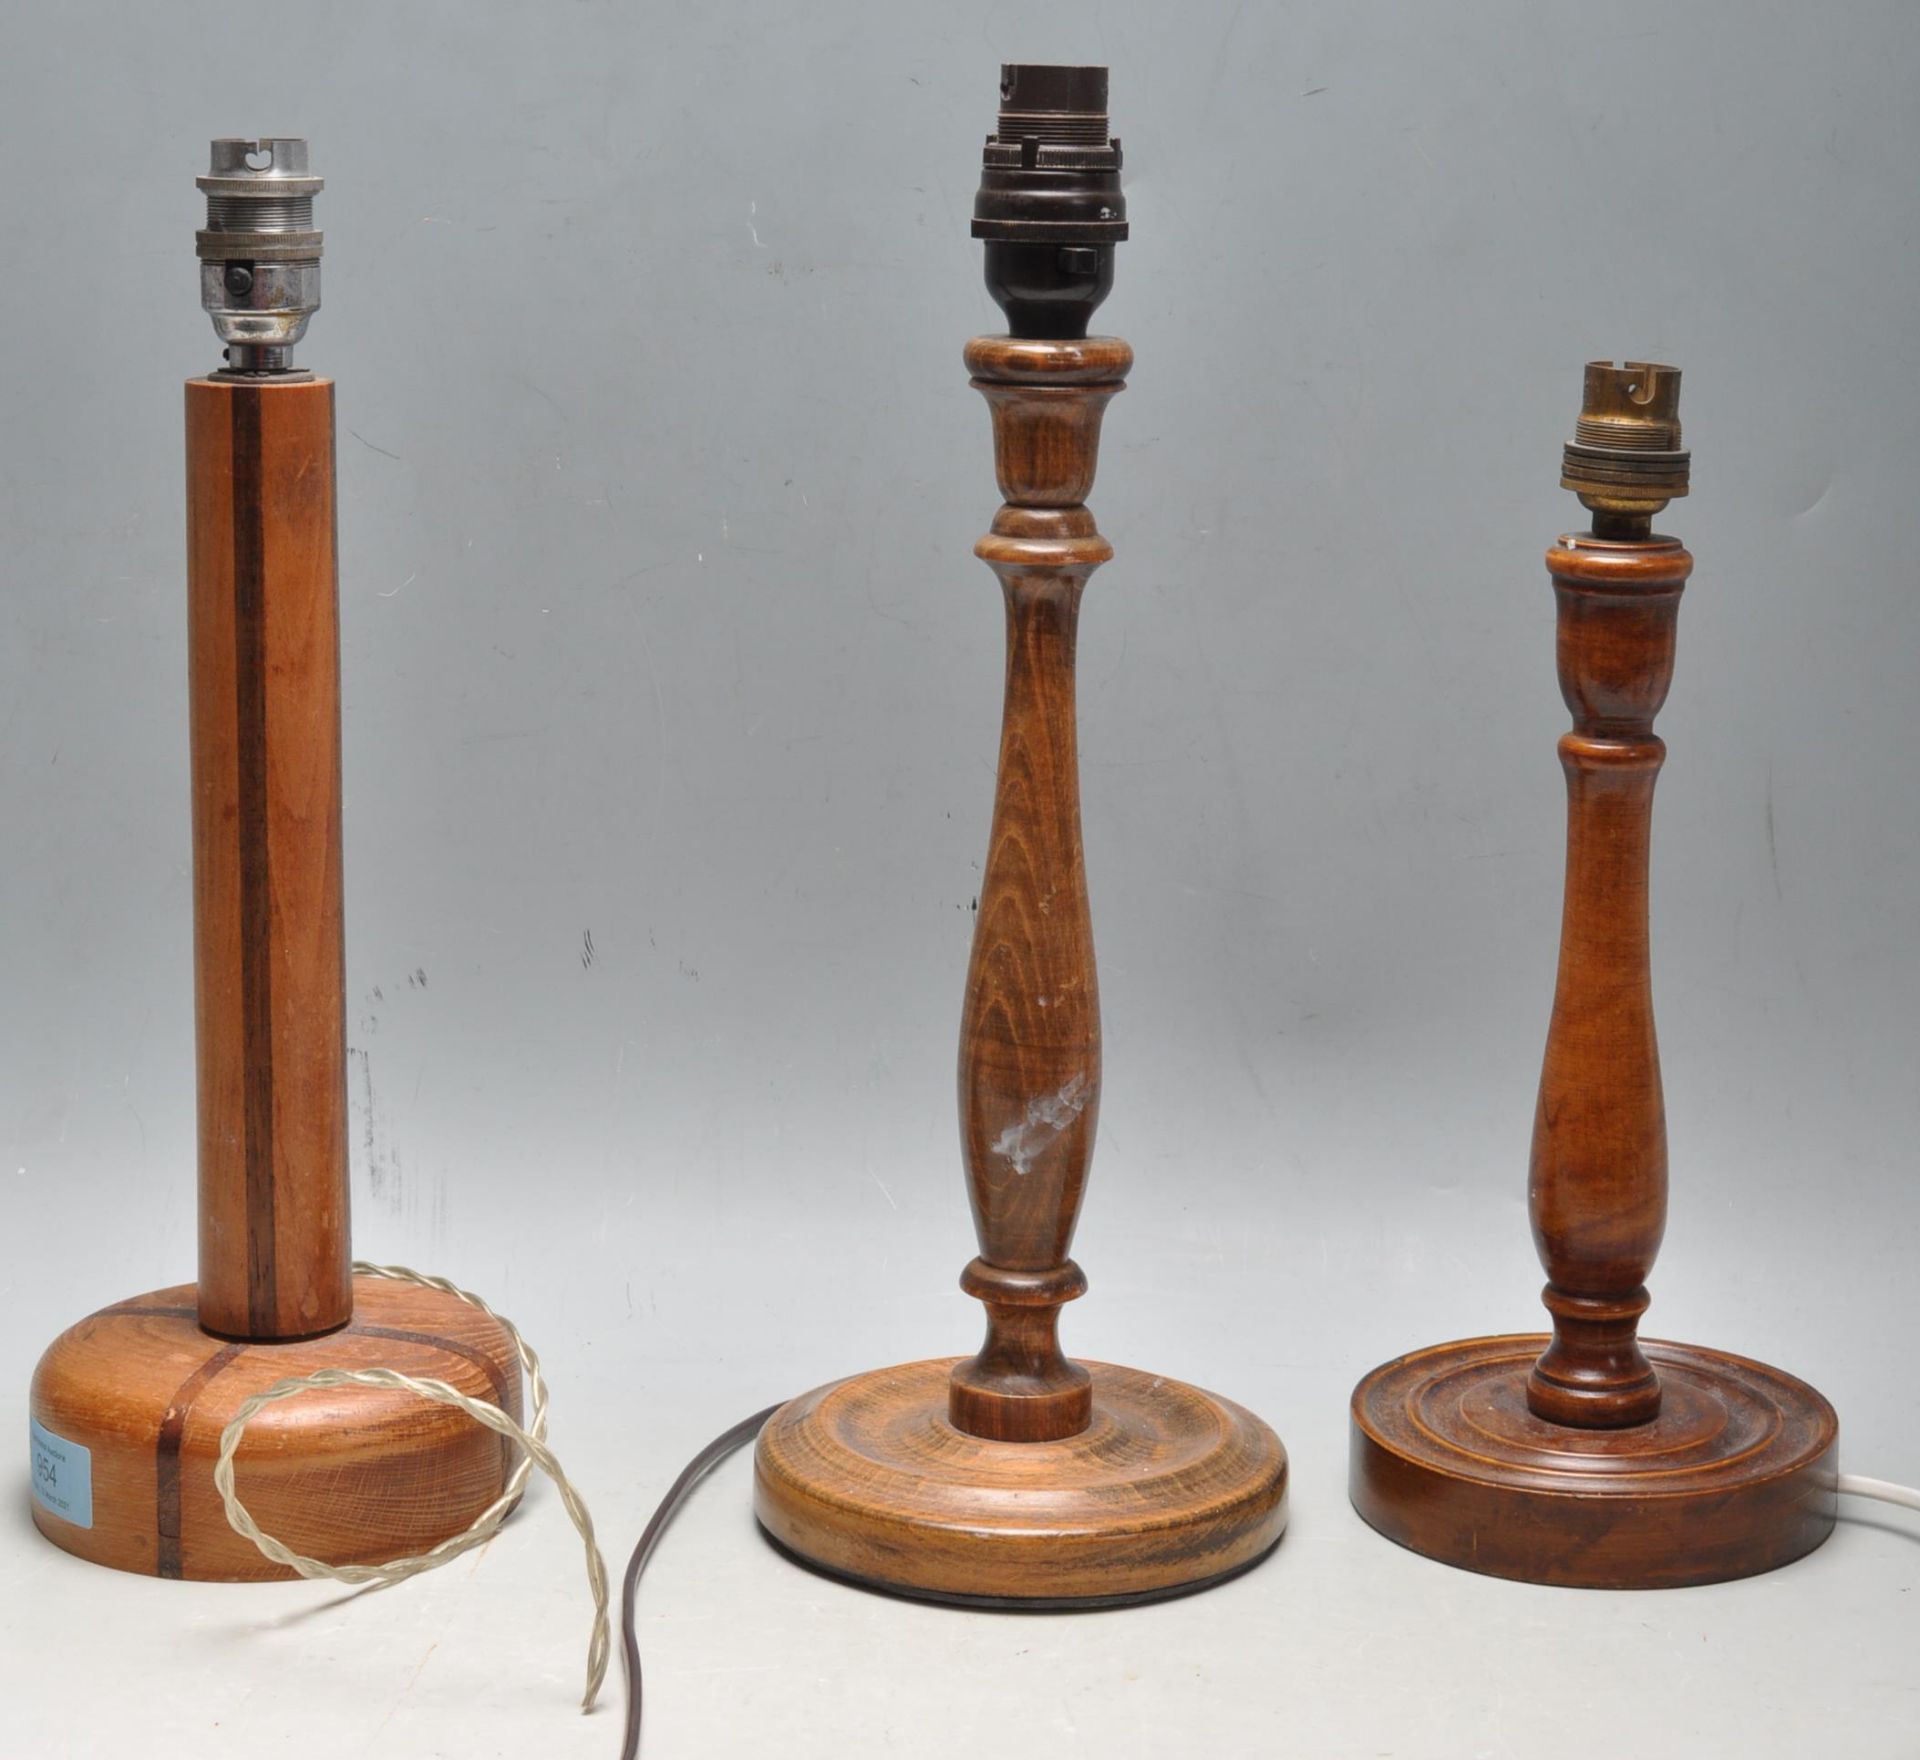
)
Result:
{"points": [[1882, 1490]]}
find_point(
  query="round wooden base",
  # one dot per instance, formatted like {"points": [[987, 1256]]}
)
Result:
{"points": [[1169, 1490], [1734, 1477], [129, 1405]]}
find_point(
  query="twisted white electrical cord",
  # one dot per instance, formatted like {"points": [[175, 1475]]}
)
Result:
{"points": [[531, 1441]]}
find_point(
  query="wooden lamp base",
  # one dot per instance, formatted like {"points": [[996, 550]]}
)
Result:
{"points": [[128, 1407], [1169, 1490], [1735, 1476]]}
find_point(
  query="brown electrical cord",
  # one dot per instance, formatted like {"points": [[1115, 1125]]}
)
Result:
{"points": [[695, 1470]]}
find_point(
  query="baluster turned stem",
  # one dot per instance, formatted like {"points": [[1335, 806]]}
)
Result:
{"points": [[1597, 1187], [1597, 1184], [1030, 1034], [1600, 1461], [1017, 1477]]}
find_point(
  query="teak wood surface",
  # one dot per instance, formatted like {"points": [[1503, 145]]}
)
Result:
{"points": [[1595, 1461], [264, 675], [354, 1474], [1016, 1474], [1169, 1489]]}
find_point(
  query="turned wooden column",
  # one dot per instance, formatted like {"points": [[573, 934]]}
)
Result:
{"points": [[1016, 1477], [1030, 1034], [1588, 1457], [1597, 1187], [264, 689]]}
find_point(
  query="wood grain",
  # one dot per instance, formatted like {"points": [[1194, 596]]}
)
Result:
{"points": [[1017, 1477], [1734, 1477], [1597, 1187], [263, 666], [350, 1475], [1587, 1458], [1169, 1488], [1030, 1030]]}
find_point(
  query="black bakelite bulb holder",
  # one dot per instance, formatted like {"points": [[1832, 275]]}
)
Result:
{"points": [[1049, 207]]}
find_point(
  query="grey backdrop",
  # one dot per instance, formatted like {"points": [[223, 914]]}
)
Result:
{"points": [[658, 478]]}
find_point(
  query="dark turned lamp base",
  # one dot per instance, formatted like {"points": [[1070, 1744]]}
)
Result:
{"points": [[1169, 1490], [136, 1396], [1600, 1460], [1734, 1477]]}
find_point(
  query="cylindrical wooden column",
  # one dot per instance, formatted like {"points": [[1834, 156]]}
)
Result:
{"points": [[269, 984]]}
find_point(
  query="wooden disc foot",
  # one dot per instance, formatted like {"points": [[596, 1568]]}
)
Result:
{"points": [[128, 1407], [1734, 1477], [1169, 1489]]}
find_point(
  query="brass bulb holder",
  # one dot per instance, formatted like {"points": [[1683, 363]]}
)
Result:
{"points": [[1625, 460]]}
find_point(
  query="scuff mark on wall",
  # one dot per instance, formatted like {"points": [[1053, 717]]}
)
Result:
{"points": [[384, 1180]]}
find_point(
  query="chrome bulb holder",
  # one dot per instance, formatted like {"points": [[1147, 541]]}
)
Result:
{"points": [[259, 252]]}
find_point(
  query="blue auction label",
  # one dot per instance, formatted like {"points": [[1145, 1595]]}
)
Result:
{"points": [[62, 1475]]}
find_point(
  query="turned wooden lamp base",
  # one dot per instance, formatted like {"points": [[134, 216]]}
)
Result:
{"points": [[1168, 1491], [352, 1475], [1734, 1477]]}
